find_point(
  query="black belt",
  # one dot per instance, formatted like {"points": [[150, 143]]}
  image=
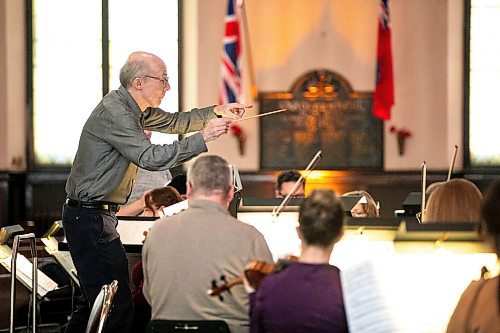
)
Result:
{"points": [[110, 207]]}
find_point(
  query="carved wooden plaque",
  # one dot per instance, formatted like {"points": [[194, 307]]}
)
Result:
{"points": [[324, 114]]}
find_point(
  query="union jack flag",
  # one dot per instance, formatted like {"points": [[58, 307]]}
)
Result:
{"points": [[383, 97], [230, 87]]}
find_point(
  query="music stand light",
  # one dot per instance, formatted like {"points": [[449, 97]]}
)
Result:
{"points": [[7, 232]]}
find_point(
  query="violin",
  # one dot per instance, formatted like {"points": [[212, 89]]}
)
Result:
{"points": [[255, 271]]}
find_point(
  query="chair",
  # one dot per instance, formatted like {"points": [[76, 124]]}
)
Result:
{"points": [[101, 308], [199, 326]]}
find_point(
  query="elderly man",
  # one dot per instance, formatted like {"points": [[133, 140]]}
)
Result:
{"points": [[184, 253], [112, 146]]}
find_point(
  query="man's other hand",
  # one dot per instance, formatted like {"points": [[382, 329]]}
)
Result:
{"points": [[215, 128]]}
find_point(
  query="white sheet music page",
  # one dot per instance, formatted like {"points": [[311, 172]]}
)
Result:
{"points": [[132, 231], [406, 293], [175, 208], [24, 274]]}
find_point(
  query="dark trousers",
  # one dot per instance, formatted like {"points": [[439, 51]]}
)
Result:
{"points": [[99, 258]]}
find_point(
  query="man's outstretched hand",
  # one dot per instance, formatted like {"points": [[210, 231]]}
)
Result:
{"points": [[231, 110]]}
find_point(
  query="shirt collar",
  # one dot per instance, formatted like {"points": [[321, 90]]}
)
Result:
{"points": [[207, 204], [130, 100]]}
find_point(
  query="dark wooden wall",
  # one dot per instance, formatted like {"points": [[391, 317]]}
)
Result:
{"points": [[38, 196]]}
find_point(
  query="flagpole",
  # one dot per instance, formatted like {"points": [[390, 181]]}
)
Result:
{"points": [[249, 52]]}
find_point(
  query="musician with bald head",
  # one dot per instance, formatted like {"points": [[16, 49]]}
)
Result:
{"points": [[112, 146]]}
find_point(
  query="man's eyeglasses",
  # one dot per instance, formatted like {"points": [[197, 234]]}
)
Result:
{"points": [[163, 82]]}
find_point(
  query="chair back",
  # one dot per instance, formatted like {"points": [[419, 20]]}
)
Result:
{"points": [[177, 326], [101, 308]]}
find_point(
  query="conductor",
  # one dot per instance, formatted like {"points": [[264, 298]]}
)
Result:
{"points": [[112, 146]]}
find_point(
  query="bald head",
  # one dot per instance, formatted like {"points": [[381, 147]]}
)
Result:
{"points": [[139, 64]]}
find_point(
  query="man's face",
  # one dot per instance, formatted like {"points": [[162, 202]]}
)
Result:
{"points": [[286, 188], [155, 85]]}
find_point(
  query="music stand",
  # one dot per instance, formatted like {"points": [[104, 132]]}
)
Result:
{"points": [[238, 187], [63, 258], [348, 202], [34, 279]]}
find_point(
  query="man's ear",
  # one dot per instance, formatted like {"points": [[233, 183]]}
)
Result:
{"points": [[137, 83], [188, 189], [230, 195]]}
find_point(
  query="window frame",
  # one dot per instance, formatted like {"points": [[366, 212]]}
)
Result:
{"points": [[32, 165], [468, 167]]}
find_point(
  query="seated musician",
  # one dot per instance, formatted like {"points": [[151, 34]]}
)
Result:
{"points": [[285, 182], [457, 200], [368, 209], [306, 295], [152, 202], [479, 307], [184, 253], [159, 198]]}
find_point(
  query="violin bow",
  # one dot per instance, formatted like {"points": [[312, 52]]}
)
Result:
{"points": [[452, 164], [277, 210], [424, 181]]}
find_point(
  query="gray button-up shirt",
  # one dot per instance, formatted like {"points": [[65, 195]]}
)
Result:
{"points": [[113, 144]]}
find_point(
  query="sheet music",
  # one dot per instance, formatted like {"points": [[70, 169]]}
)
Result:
{"points": [[24, 273], [175, 208], [65, 260], [132, 231], [279, 232], [407, 293]]}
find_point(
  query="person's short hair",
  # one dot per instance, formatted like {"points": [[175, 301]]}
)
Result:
{"points": [[163, 196], [490, 213], [432, 187], [370, 207], [288, 176], [210, 175], [457, 200], [137, 67], [321, 218]]}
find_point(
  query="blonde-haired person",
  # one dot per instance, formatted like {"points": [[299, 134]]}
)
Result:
{"points": [[368, 209], [478, 309], [457, 200]]}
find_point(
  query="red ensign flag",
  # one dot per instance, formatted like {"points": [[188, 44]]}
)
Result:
{"points": [[383, 97]]}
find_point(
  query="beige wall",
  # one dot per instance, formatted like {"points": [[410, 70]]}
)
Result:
{"points": [[289, 38], [12, 85]]}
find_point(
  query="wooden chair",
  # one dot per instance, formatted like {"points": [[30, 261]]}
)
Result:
{"points": [[101, 308]]}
